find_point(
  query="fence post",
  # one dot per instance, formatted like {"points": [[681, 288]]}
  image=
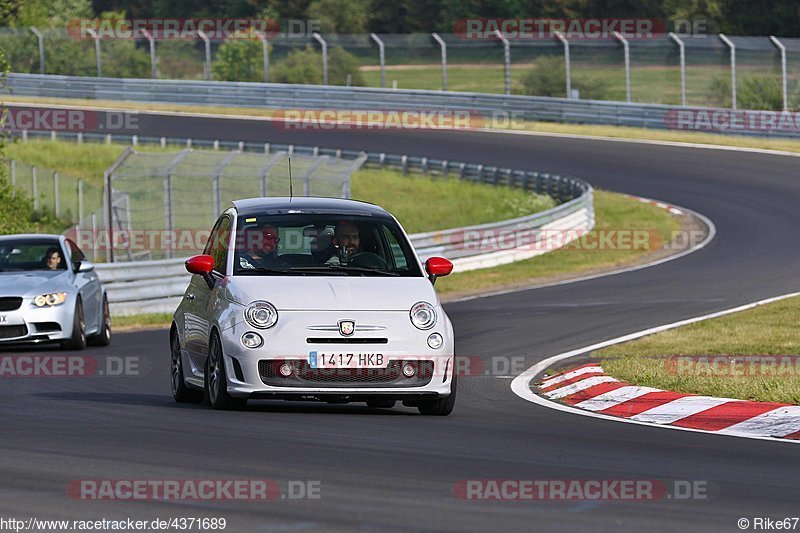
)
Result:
{"points": [[35, 188], [153, 72], [627, 52], [324, 46], [381, 57], [207, 64], [733, 68], [682, 51], [567, 69], [782, 50], [506, 59], [40, 37], [93, 33], [95, 239], [80, 202], [443, 46], [57, 195], [264, 54]]}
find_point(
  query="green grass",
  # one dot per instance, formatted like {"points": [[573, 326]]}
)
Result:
{"points": [[767, 330], [149, 320], [425, 204], [612, 212]]}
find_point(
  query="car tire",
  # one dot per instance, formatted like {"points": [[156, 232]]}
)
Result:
{"points": [[78, 338], [180, 391], [381, 404], [104, 337], [215, 392], [442, 406]]}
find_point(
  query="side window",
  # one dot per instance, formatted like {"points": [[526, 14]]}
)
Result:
{"points": [[396, 251], [217, 246], [75, 253]]}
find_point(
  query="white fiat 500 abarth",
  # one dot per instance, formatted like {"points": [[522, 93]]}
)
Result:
{"points": [[312, 299]]}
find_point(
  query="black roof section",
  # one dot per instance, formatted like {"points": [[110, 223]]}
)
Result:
{"points": [[305, 204]]}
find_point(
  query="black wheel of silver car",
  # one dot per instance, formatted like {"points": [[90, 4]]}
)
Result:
{"points": [[216, 381], [442, 406], [78, 339], [180, 391], [103, 338], [381, 404]]}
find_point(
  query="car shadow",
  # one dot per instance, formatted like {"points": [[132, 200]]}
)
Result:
{"points": [[255, 406]]}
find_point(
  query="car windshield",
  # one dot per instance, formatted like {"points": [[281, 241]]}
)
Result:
{"points": [[314, 244], [31, 254]]}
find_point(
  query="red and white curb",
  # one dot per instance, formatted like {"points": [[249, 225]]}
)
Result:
{"points": [[587, 387], [782, 420], [670, 208]]}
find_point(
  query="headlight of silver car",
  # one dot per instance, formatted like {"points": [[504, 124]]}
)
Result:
{"points": [[261, 314], [423, 315], [50, 300]]}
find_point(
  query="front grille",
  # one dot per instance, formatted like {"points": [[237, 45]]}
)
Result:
{"points": [[10, 332], [346, 340], [304, 376], [10, 303], [46, 327]]}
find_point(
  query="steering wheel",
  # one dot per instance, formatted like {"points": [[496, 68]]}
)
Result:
{"points": [[368, 260]]}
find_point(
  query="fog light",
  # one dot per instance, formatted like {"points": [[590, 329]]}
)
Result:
{"points": [[252, 340], [435, 341], [285, 370], [409, 370]]}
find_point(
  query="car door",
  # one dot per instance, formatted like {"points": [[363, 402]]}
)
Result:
{"points": [[198, 319], [88, 284]]}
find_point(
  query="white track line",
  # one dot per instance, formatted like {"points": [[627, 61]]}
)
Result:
{"points": [[521, 384]]}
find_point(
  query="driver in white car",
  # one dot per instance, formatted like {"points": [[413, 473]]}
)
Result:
{"points": [[346, 240]]}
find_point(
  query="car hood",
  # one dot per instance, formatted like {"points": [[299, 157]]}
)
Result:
{"points": [[28, 283], [333, 293]]}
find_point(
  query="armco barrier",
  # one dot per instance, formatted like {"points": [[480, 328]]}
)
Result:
{"points": [[271, 95]]}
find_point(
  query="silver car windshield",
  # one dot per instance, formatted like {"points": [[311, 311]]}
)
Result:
{"points": [[312, 244], [31, 254]]}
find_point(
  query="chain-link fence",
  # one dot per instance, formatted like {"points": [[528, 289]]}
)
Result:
{"points": [[165, 202], [671, 69]]}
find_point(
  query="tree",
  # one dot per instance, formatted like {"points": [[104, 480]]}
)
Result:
{"points": [[340, 16], [305, 66], [239, 59]]}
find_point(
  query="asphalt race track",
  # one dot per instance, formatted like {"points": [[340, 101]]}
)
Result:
{"points": [[395, 470]]}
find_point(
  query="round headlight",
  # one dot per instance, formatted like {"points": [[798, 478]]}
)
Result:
{"points": [[252, 339], [261, 315], [423, 315], [40, 301], [435, 341]]}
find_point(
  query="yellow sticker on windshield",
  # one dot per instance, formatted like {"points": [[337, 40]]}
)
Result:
{"points": [[250, 220]]}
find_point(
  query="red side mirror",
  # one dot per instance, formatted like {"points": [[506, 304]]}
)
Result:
{"points": [[200, 264], [438, 266]]}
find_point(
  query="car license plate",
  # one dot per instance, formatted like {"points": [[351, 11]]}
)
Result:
{"points": [[347, 360]]}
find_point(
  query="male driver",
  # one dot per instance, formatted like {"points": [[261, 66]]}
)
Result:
{"points": [[259, 249], [346, 240]]}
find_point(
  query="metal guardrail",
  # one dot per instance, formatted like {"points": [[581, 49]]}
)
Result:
{"points": [[130, 285], [488, 108]]}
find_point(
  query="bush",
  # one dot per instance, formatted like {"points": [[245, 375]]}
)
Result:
{"points": [[753, 92], [239, 60], [549, 78], [305, 66]]}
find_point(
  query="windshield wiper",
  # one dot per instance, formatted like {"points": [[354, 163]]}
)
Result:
{"points": [[263, 270], [347, 268]]}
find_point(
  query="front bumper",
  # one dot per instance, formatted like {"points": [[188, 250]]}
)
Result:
{"points": [[31, 324], [253, 373]]}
